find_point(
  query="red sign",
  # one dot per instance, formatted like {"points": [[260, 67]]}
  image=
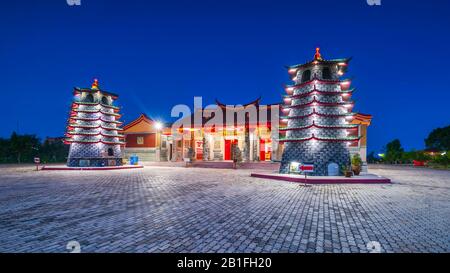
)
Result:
{"points": [[37, 160], [307, 168]]}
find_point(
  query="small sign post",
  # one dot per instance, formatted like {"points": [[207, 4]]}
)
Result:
{"points": [[37, 160], [306, 168]]}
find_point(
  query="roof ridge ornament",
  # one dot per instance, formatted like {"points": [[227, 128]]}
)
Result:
{"points": [[95, 85], [318, 56]]}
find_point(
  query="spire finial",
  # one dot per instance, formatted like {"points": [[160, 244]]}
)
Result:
{"points": [[318, 56], [95, 84]]}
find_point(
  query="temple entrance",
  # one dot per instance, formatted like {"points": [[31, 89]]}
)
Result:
{"points": [[199, 150], [265, 150], [228, 146]]}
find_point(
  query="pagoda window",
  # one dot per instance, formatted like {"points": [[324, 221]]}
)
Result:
{"points": [[326, 73], [89, 98], [110, 152], [306, 76], [105, 100]]}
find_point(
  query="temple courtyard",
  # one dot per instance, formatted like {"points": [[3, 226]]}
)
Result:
{"points": [[176, 209]]}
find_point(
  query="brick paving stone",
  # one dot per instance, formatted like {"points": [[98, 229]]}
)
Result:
{"points": [[161, 209]]}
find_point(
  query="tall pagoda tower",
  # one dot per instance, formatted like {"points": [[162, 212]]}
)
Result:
{"points": [[317, 113], [93, 130]]}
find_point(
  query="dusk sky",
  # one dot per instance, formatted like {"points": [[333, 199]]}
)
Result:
{"points": [[156, 54]]}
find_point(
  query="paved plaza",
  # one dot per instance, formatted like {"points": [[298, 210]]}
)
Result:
{"points": [[175, 209]]}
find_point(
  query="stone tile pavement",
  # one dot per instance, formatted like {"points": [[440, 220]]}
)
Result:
{"points": [[172, 209]]}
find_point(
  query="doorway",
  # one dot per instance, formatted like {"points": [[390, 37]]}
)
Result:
{"points": [[265, 150], [228, 146]]}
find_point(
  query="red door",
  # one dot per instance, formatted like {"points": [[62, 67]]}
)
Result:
{"points": [[262, 150], [228, 145], [227, 149]]}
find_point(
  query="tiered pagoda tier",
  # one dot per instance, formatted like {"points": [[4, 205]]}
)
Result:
{"points": [[317, 113], [93, 129]]}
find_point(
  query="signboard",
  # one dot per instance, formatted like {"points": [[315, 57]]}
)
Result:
{"points": [[301, 168], [307, 168], [37, 160]]}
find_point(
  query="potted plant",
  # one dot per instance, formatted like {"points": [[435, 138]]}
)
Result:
{"points": [[356, 164], [346, 170]]}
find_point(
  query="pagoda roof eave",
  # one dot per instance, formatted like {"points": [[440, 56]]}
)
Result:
{"points": [[90, 90], [319, 114], [319, 80], [330, 93], [346, 127], [319, 103], [319, 62], [346, 139]]}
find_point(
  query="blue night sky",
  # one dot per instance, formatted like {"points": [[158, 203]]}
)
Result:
{"points": [[156, 54]]}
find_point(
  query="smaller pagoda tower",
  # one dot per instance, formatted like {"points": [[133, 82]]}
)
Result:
{"points": [[93, 130]]}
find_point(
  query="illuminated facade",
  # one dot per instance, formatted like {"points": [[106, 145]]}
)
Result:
{"points": [[93, 130], [247, 126], [148, 139]]}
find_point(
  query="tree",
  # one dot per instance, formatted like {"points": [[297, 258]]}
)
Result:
{"points": [[5, 155], [394, 151], [371, 158], [439, 139], [53, 151], [24, 147]]}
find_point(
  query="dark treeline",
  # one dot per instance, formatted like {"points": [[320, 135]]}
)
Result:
{"points": [[437, 152], [24, 148]]}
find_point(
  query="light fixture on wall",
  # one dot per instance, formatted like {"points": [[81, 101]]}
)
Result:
{"points": [[158, 125]]}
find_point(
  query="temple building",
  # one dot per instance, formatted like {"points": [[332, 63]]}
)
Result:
{"points": [[318, 117], [148, 139], [247, 126], [144, 139], [314, 124], [93, 130]]}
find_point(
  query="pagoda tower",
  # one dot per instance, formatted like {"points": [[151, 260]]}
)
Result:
{"points": [[317, 115], [93, 130]]}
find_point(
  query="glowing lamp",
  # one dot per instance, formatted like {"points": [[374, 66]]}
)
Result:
{"points": [[295, 164], [158, 125]]}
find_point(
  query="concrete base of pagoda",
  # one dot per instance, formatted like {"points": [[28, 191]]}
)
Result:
{"points": [[321, 154], [94, 162]]}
